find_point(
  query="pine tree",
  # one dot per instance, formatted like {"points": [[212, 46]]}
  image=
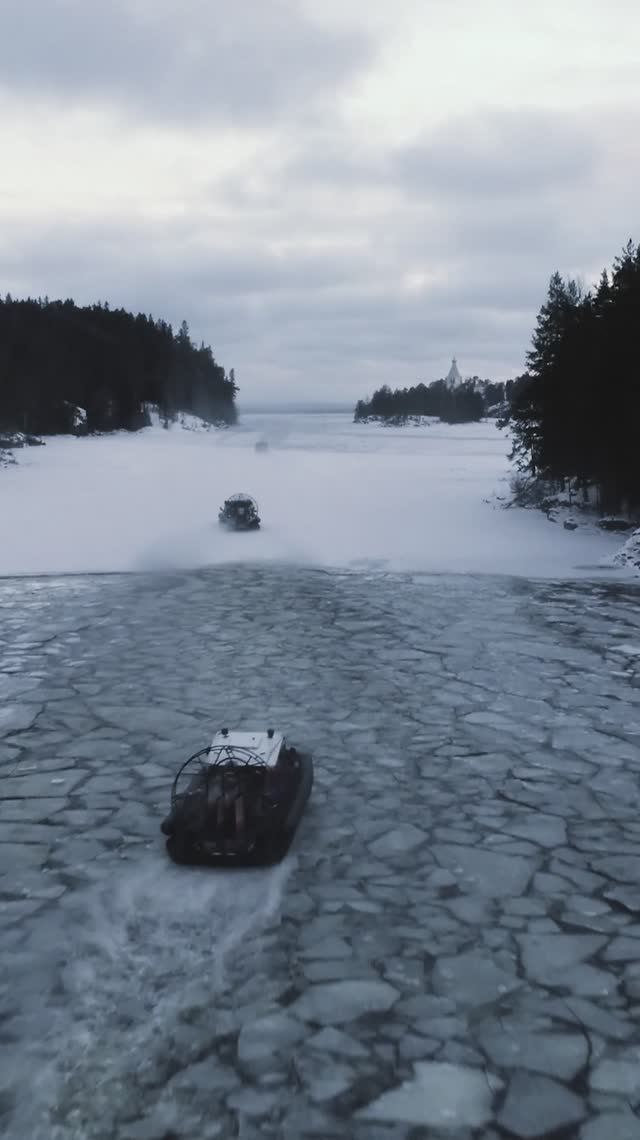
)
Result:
{"points": [[539, 410]]}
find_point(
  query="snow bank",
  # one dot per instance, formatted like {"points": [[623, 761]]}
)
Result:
{"points": [[401, 421], [331, 493], [629, 554], [180, 421]]}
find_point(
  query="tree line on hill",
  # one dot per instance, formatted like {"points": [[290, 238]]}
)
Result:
{"points": [[469, 401], [575, 414], [66, 368]]}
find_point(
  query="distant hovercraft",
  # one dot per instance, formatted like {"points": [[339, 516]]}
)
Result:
{"points": [[239, 512]]}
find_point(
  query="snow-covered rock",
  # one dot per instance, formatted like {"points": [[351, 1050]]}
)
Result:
{"points": [[614, 523], [10, 440], [78, 417]]}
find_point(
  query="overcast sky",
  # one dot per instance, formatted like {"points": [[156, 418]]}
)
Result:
{"points": [[333, 193]]}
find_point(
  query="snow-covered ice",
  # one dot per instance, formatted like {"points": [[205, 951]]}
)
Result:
{"points": [[331, 493], [622, 1076], [336, 1003], [473, 978], [536, 1106], [489, 872], [440, 1094], [261, 1040], [546, 952]]}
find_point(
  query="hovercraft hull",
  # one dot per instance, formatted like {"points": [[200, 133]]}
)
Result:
{"points": [[232, 524], [260, 842]]}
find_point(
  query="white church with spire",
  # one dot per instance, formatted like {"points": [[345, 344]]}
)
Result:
{"points": [[453, 379]]}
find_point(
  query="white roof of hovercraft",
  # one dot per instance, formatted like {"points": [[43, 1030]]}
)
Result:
{"points": [[265, 746]]}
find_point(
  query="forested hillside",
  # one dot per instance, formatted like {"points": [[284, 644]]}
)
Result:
{"points": [[66, 368], [575, 414]]}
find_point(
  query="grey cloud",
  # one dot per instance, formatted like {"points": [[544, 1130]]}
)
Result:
{"points": [[189, 61], [390, 322], [333, 161], [334, 307], [333, 320], [499, 154], [204, 260], [492, 154]]}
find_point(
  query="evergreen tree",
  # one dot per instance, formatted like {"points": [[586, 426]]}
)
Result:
{"points": [[538, 412]]}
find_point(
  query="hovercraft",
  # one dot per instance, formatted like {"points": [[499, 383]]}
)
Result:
{"points": [[239, 801], [239, 512]]}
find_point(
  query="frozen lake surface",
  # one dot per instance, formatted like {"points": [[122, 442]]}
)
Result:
{"points": [[331, 493], [452, 947]]}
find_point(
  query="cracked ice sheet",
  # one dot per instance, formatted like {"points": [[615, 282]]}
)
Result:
{"points": [[347, 914]]}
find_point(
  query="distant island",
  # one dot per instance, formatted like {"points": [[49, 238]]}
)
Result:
{"points": [[71, 369], [452, 400]]}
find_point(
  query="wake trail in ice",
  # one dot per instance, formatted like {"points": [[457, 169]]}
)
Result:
{"points": [[104, 988]]}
